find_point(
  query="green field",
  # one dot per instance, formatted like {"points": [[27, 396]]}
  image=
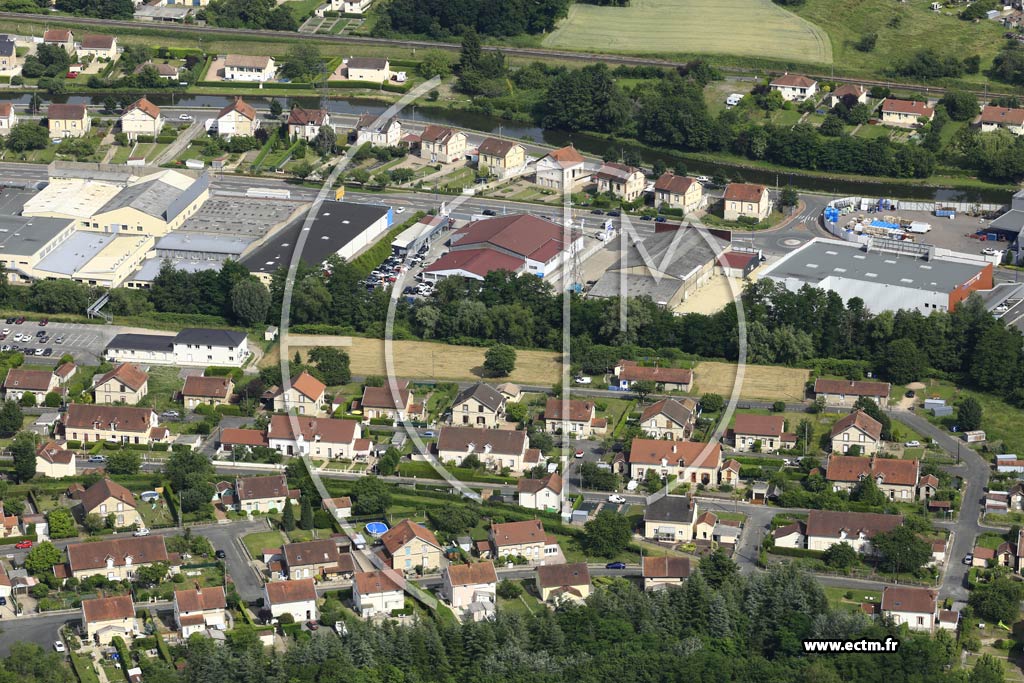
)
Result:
{"points": [[750, 28]]}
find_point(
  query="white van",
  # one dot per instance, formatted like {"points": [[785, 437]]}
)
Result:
{"points": [[733, 99]]}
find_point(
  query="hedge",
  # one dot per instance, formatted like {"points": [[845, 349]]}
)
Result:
{"points": [[122, 649], [234, 411], [18, 539], [73, 445], [165, 652], [159, 446], [383, 421], [365, 85], [178, 52], [292, 630], [166, 139], [172, 503], [83, 669], [253, 84], [798, 552]]}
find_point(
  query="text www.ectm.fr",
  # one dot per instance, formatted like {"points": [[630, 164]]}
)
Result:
{"points": [[863, 645]]}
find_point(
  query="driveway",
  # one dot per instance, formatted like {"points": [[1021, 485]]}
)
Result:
{"points": [[228, 537]]}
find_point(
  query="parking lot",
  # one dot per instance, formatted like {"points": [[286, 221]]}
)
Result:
{"points": [[948, 233], [84, 342]]}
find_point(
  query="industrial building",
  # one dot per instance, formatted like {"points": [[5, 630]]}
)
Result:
{"points": [[912, 278], [666, 264], [193, 347]]}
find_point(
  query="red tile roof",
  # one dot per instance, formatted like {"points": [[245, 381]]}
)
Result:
{"points": [[145, 106], [676, 453], [66, 112], [402, 533], [517, 533], [861, 421], [630, 371], [56, 35], [285, 592], [200, 600], [907, 599], [759, 425], [496, 148], [563, 575], [52, 453], [472, 574], [239, 105], [674, 184], [566, 156], [744, 192], [128, 374], [848, 90], [579, 411], [393, 396], [520, 234], [305, 117], [666, 567], [845, 387], [552, 481], [122, 418], [93, 496], [829, 523], [93, 555], [243, 437], [1001, 115], [320, 551], [907, 107], [257, 488], [28, 380], [501, 441], [108, 609], [308, 385], [793, 81], [207, 387], [476, 261], [438, 134], [323, 429], [736, 259], [372, 583]]}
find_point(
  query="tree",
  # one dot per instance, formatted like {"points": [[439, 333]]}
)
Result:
{"points": [[997, 600], [250, 301], [866, 42], [325, 141], [23, 448], [718, 568], [149, 575], [960, 105], [92, 522], [302, 170], [607, 534], [194, 499], [372, 496], [61, 523], [453, 519], [388, 463], [500, 360], [988, 669], [789, 196], [711, 403], [509, 590], [184, 462], [306, 519], [435, 63], [42, 557], [27, 135], [52, 399], [288, 516], [332, 365], [124, 462], [642, 388], [902, 550], [969, 414], [904, 361], [11, 418], [275, 108], [840, 556], [832, 126], [303, 61], [866, 491]]}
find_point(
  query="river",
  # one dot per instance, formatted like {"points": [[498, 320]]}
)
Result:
{"points": [[590, 144]]}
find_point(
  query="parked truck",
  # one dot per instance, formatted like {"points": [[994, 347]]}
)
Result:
{"points": [[918, 227]]}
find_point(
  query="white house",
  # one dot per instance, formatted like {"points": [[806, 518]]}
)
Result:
{"points": [[377, 593], [198, 609], [297, 598], [8, 118], [794, 87], [104, 618], [914, 607], [541, 494], [249, 68], [462, 585]]}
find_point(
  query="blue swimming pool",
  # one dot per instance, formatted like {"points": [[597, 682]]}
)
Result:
{"points": [[376, 528]]}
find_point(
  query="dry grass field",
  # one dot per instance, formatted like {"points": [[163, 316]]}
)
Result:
{"points": [[763, 382], [426, 360], [749, 28]]}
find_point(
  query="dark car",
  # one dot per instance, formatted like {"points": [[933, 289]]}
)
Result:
{"points": [[10, 321], [614, 214], [312, 625], [44, 322], [660, 219], [910, 394], [19, 320], [489, 212], [615, 565], [597, 212], [48, 351], [409, 290], [645, 218], [220, 555]]}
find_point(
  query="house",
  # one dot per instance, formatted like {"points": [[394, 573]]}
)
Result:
{"points": [[794, 87], [743, 200], [117, 424], [442, 145], [263, 494], [237, 118], [479, 405], [305, 396], [393, 401], [662, 572], [8, 119], [98, 46], [54, 462], [898, 479], [844, 392], [914, 607], [372, 69], [62, 37], [384, 134], [688, 461], [857, 429], [167, 72], [19, 382], [464, 584], [704, 526], [295, 597], [670, 519], [141, 117], [678, 192], [107, 497], [927, 486], [575, 417], [342, 506], [761, 433], [905, 112], [232, 438], [198, 609], [562, 169], [669, 419], [501, 158], [512, 392], [625, 182], [8, 523], [211, 391], [948, 619], [68, 120], [668, 379], [65, 371], [791, 535], [525, 539], [497, 449], [10, 65], [117, 559], [825, 528], [125, 384], [192, 346], [409, 545], [541, 494], [319, 559], [249, 68], [104, 618], [377, 593], [994, 118], [849, 95], [305, 124], [730, 473], [563, 582]]}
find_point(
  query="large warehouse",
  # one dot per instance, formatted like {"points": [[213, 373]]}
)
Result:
{"points": [[885, 281]]}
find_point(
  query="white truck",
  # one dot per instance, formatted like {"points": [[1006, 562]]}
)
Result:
{"points": [[919, 227]]}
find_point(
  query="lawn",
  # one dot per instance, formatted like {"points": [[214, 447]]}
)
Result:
{"points": [[164, 383], [1000, 421], [752, 28], [837, 597], [301, 9], [424, 470], [156, 517], [427, 360], [867, 131], [759, 381], [256, 542], [526, 604]]}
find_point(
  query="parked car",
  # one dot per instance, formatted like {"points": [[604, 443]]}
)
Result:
{"points": [[400, 209], [170, 414], [645, 218], [597, 212], [22, 545], [19, 320], [615, 565], [58, 646], [579, 453], [660, 219], [969, 559], [3, 601], [910, 394], [312, 625], [97, 458], [59, 339], [141, 532], [912, 444], [614, 214], [429, 433], [44, 322], [48, 351], [184, 117], [616, 498], [9, 321], [220, 554], [583, 380], [489, 212]]}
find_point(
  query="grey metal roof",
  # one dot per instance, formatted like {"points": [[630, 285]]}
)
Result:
{"points": [[151, 268], [75, 252], [141, 342], [23, 236], [1011, 221], [202, 243], [240, 215], [821, 259], [484, 393], [669, 508], [209, 336], [157, 198]]}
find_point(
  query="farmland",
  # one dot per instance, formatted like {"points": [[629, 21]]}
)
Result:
{"points": [[759, 381], [749, 28]]}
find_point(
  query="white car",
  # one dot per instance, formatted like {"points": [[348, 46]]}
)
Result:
{"points": [[58, 646], [141, 532], [184, 117], [583, 380], [912, 444], [616, 498], [400, 209]]}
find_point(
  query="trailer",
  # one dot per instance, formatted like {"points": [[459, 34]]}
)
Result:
{"points": [[945, 212], [974, 436]]}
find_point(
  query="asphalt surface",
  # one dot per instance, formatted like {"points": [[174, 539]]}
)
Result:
{"points": [[228, 537], [42, 629]]}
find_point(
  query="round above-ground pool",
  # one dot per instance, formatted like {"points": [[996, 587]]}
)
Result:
{"points": [[376, 528], [149, 496]]}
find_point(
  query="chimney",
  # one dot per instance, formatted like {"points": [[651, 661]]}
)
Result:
{"points": [[673, 448]]}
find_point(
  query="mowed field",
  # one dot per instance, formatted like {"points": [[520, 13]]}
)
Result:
{"points": [[749, 28], [764, 382], [426, 360]]}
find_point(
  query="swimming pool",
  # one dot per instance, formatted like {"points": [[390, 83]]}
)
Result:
{"points": [[376, 528]]}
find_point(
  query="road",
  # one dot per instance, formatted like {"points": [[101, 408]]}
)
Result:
{"points": [[228, 537], [42, 629]]}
